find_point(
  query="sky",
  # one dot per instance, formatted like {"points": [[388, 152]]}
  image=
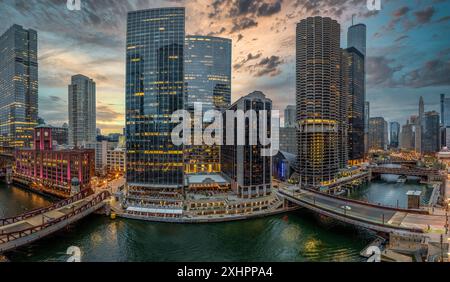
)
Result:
{"points": [[408, 52]]}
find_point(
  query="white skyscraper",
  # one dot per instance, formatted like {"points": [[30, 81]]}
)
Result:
{"points": [[82, 111]]}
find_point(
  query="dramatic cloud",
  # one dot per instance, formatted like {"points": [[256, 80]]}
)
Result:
{"points": [[267, 66], [432, 73], [92, 42]]}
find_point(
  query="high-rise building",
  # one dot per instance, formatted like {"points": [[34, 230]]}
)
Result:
{"points": [[356, 37], [394, 129], [366, 127], [154, 91], [318, 56], [419, 126], [445, 119], [407, 136], [288, 140], [431, 133], [207, 68], [377, 133], [354, 81], [82, 111], [290, 116], [248, 170], [18, 86]]}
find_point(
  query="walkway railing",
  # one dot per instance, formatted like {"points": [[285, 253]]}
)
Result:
{"points": [[68, 201], [343, 215], [14, 235], [367, 203]]}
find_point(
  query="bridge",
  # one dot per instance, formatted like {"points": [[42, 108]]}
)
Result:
{"points": [[370, 216], [406, 171], [23, 229]]}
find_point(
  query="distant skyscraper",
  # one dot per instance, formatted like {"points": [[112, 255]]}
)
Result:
{"points": [[431, 133], [18, 86], [208, 82], [288, 140], [407, 136], [445, 108], [377, 133], [366, 127], [356, 37], [82, 111], [249, 172], [419, 126], [290, 116], [154, 91], [318, 99], [394, 129], [354, 66]]}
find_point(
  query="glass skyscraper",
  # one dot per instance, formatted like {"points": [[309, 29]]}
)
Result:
{"points": [[354, 66], [18, 86], [82, 111], [394, 136], [356, 37], [154, 90], [208, 82], [208, 72]]}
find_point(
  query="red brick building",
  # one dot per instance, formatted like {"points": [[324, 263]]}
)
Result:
{"points": [[52, 171]]}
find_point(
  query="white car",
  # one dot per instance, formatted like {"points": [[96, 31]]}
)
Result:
{"points": [[346, 208]]}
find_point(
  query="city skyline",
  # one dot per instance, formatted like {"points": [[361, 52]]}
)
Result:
{"points": [[395, 73]]}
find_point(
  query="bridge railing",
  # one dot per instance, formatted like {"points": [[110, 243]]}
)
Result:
{"points": [[364, 221], [14, 235], [83, 194], [366, 203]]}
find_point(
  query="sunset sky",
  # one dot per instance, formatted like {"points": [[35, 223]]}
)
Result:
{"points": [[408, 48]]}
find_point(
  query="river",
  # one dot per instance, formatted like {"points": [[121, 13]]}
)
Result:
{"points": [[297, 236]]}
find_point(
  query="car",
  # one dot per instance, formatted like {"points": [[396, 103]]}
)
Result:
{"points": [[346, 208]]}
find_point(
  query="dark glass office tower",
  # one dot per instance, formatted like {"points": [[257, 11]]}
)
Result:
{"points": [[248, 170], [354, 67], [318, 99], [154, 90], [208, 82], [431, 133], [394, 135], [18, 86]]}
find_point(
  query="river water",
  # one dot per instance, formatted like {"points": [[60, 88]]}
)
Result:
{"points": [[297, 236]]}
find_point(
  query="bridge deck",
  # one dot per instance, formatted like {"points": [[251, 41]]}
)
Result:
{"points": [[26, 229], [380, 218]]}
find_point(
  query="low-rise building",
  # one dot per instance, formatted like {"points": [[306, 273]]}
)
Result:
{"points": [[116, 160], [51, 171]]}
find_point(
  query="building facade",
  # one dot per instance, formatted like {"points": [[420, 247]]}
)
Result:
{"points": [[52, 171], [116, 160], [18, 86], [207, 68], [248, 171], [318, 96], [431, 133], [82, 111], [407, 136], [377, 133], [355, 85], [290, 117], [154, 90], [394, 135], [356, 37], [288, 140]]}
